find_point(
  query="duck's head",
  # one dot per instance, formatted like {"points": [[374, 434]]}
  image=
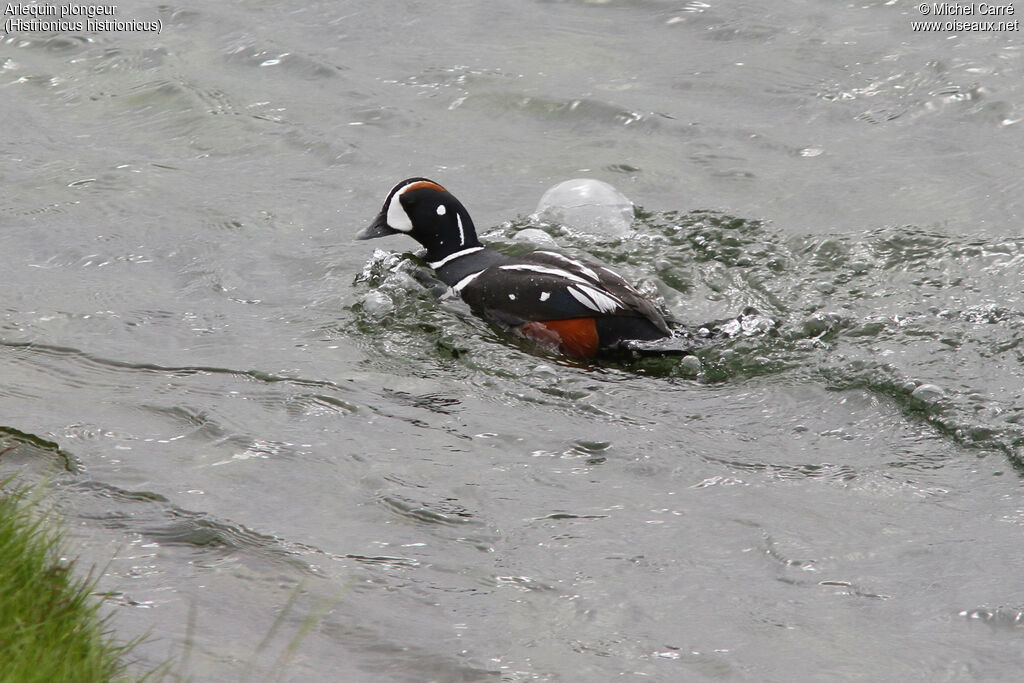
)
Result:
{"points": [[424, 210]]}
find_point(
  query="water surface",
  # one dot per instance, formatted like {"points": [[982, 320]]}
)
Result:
{"points": [[287, 459]]}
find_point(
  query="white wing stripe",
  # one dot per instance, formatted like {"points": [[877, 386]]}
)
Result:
{"points": [[594, 291], [458, 286], [594, 299], [546, 270], [579, 265], [583, 299], [618, 278]]}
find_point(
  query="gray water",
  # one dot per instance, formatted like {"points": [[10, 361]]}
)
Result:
{"points": [[286, 460]]}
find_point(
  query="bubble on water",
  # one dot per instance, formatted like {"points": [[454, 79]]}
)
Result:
{"points": [[544, 371], [691, 363], [927, 393], [377, 304], [587, 205], [731, 327], [756, 323], [820, 323], [535, 237]]}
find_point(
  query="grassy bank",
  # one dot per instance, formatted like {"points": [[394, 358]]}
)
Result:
{"points": [[50, 625]]}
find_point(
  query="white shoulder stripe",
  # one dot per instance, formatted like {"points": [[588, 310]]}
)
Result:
{"points": [[579, 265], [458, 286], [545, 270], [451, 257]]}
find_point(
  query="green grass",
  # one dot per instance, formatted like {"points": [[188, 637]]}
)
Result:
{"points": [[50, 623]]}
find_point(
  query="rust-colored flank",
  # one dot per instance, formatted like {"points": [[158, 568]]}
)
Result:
{"points": [[576, 336]]}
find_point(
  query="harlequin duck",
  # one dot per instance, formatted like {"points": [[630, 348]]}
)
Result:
{"points": [[580, 308]]}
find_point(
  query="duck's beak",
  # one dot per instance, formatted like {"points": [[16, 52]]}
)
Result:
{"points": [[378, 228]]}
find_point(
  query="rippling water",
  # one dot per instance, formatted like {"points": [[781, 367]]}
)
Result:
{"points": [[288, 459]]}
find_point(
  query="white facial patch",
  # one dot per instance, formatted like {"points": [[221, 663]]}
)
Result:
{"points": [[397, 217], [441, 210], [544, 296]]}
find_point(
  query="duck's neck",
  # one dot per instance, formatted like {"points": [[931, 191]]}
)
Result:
{"points": [[446, 245]]}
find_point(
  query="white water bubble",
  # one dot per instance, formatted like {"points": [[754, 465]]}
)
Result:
{"points": [[588, 205], [535, 237], [928, 393], [691, 363], [377, 304]]}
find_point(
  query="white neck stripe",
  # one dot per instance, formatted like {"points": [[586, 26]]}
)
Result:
{"points": [[451, 257]]}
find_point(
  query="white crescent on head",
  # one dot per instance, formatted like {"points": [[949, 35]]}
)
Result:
{"points": [[397, 217]]}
